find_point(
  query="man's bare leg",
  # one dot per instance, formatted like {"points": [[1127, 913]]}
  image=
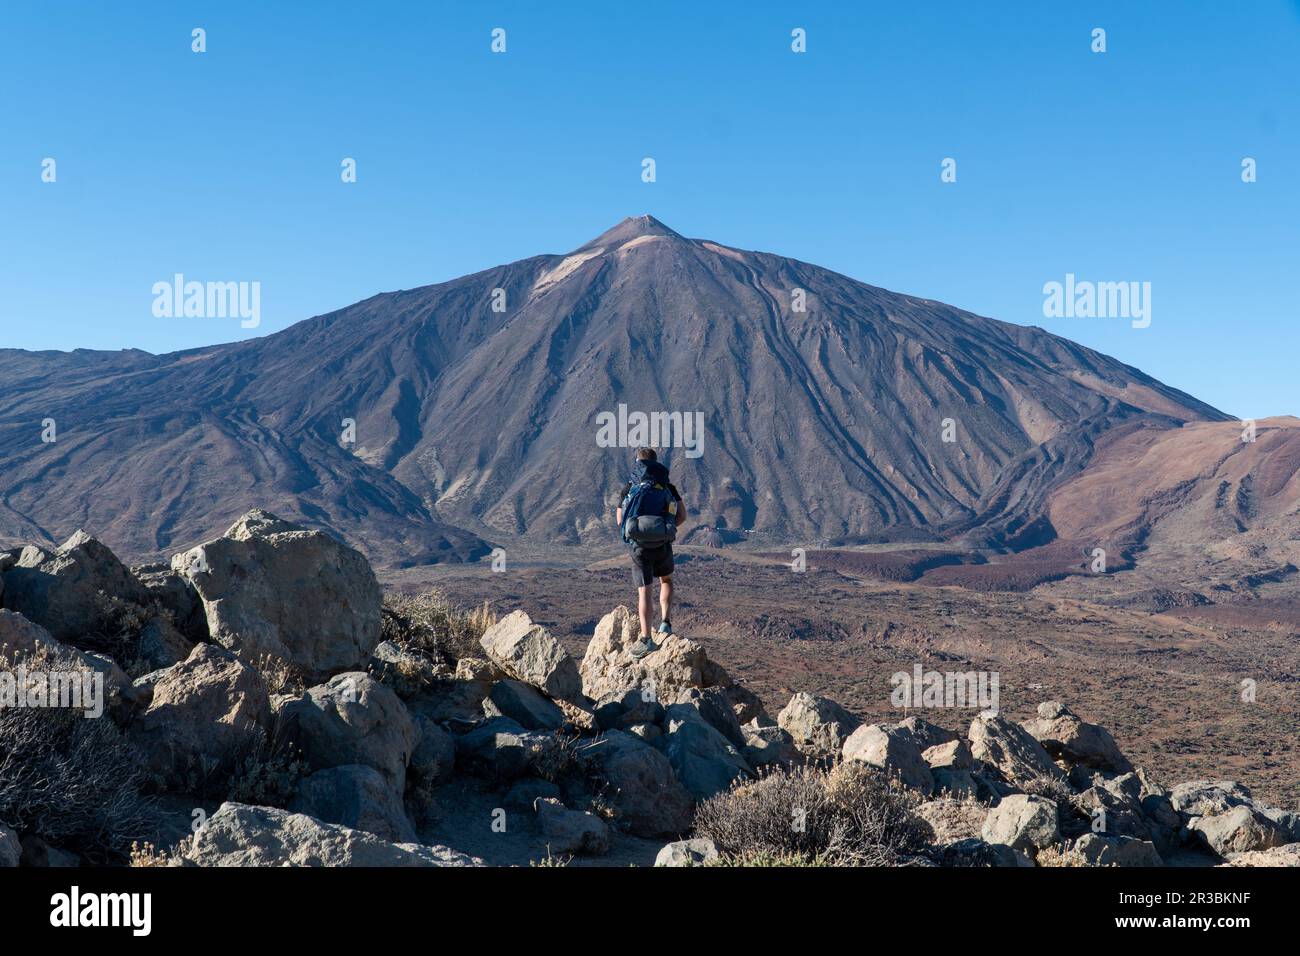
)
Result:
{"points": [[643, 607], [665, 599]]}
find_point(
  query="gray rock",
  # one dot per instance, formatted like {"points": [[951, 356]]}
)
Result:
{"points": [[61, 591], [1238, 830], [175, 592], [162, 645], [715, 708], [1288, 855], [703, 760], [1123, 851], [647, 732], [1198, 798], [952, 755], [676, 665], [459, 697], [434, 756], [352, 719], [893, 751], [960, 784], [687, 853], [953, 820], [1012, 749], [769, 747], [646, 795], [624, 708], [272, 588], [925, 734], [241, 835], [522, 703], [817, 723], [1066, 737], [1022, 822], [204, 715], [501, 750], [527, 652], [355, 796], [525, 793], [976, 853], [571, 831]]}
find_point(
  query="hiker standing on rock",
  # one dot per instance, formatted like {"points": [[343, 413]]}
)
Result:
{"points": [[649, 512]]}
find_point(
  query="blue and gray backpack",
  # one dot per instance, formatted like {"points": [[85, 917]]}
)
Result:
{"points": [[648, 520]]}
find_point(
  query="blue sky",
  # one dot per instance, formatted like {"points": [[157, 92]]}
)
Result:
{"points": [[225, 165]]}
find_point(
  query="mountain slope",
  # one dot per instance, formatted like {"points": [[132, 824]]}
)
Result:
{"points": [[822, 424]]}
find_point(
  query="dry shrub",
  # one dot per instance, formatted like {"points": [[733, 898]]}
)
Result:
{"points": [[1061, 856], [280, 675], [70, 779], [849, 815], [268, 771], [430, 625]]}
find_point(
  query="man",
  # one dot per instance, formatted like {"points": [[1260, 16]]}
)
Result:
{"points": [[653, 510]]}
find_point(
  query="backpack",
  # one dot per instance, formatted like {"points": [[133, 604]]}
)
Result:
{"points": [[647, 510]]}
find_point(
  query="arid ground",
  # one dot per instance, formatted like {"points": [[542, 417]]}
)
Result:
{"points": [[1168, 685]]}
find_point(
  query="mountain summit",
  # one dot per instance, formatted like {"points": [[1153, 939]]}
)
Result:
{"points": [[423, 424]]}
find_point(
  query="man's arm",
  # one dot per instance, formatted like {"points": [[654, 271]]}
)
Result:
{"points": [[680, 517], [618, 510]]}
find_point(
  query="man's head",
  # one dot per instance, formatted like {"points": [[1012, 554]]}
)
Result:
{"points": [[646, 454]]}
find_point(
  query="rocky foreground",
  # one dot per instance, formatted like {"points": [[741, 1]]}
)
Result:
{"points": [[265, 708]]}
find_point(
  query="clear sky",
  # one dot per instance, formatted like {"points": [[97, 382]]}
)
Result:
{"points": [[225, 165]]}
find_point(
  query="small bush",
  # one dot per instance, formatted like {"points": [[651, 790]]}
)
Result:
{"points": [[69, 779], [849, 815], [268, 772], [430, 625], [1061, 856]]}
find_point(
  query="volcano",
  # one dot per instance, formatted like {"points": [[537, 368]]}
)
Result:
{"points": [[428, 425]]}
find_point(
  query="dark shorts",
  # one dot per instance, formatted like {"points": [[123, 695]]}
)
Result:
{"points": [[652, 564]]}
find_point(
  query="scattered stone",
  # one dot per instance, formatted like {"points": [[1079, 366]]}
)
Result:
{"points": [[1066, 737], [273, 589], [953, 755], [571, 831], [162, 645], [1022, 822], [1199, 798], [768, 747], [528, 653], [641, 786], [355, 796], [241, 835], [817, 723], [1238, 830], [501, 750], [352, 719], [704, 760], [893, 751], [203, 716], [522, 703], [1012, 750], [953, 820], [687, 853]]}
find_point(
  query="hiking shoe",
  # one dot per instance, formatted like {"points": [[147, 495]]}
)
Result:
{"points": [[665, 627], [641, 648]]}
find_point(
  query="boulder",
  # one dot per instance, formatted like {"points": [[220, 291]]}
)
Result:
{"points": [[1288, 821], [768, 747], [953, 755], [241, 835], [522, 703], [976, 853], [623, 709], [925, 734], [501, 750], [608, 669], [66, 591], [953, 820], [703, 759], [1116, 810], [458, 697], [434, 756], [204, 715], [817, 724], [528, 653], [352, 719], [355, 796], [713, 706], [20, 638], [571, 831], [1022, 822], [640, 784], [893, 751], [1100, 850], [272, 588], [1238, 830], [11, 849], [961, 784], [1066, 737], [1010, 748], [162, 645], [687, 853], [1199, 798], [175, 592]]}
